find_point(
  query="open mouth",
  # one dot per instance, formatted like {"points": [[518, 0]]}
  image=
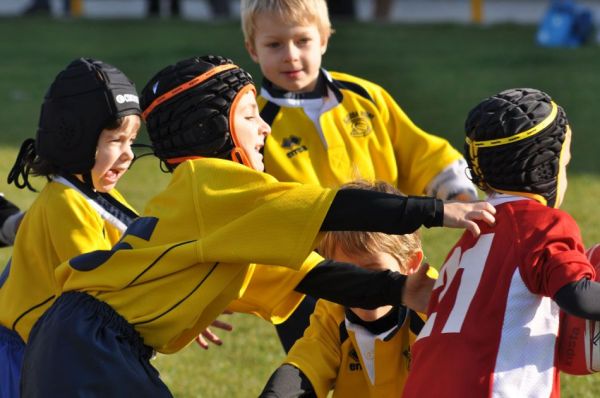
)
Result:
{"points": [[113, 175]]}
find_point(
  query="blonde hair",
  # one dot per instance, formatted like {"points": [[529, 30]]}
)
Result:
{"points": [[401, 247], [302, 12]]}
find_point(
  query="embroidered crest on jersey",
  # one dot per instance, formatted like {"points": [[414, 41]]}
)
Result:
{"points": [[293, 143], [360, 123], [354, 365]]}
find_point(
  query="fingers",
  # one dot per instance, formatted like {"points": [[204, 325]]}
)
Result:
{"points": [[208, 336], [464, 215], [422, 270], [473, 228], [201, 342], [222, 325]]}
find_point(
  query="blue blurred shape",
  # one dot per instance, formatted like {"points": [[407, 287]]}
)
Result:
{"points": [[565, 24]]}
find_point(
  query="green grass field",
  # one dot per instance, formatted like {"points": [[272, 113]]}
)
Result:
{"points": [[436, 72]]}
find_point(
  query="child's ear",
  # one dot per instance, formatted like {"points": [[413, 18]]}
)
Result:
{"points": [[324, 42], [413, 263], [251, 50]]}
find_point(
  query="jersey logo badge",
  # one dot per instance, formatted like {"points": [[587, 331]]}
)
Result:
{"points": [[293, 143], [360, 123], [354, 365]]}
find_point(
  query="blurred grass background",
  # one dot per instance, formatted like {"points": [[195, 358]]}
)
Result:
{"points": [[435, 72]]}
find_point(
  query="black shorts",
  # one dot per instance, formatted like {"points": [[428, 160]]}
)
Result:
{"points": [[82, 347]]}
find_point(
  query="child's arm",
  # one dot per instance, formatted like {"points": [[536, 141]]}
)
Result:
{"points": [[286, 382], [363, 210], [353, 286], [581, 298]]}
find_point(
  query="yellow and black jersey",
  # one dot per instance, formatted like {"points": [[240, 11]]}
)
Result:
{"points": [[337, 354], [355, 130], [65, 220], [176, 269]]}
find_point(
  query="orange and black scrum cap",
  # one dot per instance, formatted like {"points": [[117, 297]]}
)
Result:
{"points": [[513, 144], [188, 106]]}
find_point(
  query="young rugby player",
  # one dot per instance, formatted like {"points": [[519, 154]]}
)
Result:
{"points": [[89, 118], [196, 251], [328, 127], [355, 351], [494, 312]]}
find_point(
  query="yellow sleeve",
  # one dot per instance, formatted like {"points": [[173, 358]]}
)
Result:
{"points": [[270, 292], [420, 156], [317, 354], [246, 215]]}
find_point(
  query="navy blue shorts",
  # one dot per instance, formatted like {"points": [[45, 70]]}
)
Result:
{"points": [[12, 348], [81, 347]]}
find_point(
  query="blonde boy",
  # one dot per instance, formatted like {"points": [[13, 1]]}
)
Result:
{"points": [[329, 128], [355, 351]]}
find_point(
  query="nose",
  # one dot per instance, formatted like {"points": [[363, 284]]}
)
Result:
{"points": [[265, 129], [291, 52], [127, 154]]}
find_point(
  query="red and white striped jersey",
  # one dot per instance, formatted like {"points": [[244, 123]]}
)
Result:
{"points": [[492, 327]]}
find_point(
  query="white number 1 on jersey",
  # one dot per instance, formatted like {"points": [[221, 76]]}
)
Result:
{"points": [[472, 262]]}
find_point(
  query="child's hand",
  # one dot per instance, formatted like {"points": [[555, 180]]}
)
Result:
{"points": [[417, 289], [462, 215], [207, 334]]}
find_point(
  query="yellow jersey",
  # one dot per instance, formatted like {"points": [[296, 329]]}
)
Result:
{"points": [[62, 223], [336, 354], [356, 131], [196, 250]]}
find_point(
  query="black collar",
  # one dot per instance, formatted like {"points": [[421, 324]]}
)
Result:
{"points": [[320, 90]]}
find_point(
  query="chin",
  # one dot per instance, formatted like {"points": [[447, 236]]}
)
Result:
{"points": [[104, 187]]}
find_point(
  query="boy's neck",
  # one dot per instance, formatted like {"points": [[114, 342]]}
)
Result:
{"points": [[319, 91]]}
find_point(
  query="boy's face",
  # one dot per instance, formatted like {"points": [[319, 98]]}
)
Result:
{"points": [[565, 158], [250, 129], [289, 54], [114, 154]]}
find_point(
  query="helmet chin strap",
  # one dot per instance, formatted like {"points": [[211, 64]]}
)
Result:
{"points": [[87, 179], [239, 156], [237, 153]]}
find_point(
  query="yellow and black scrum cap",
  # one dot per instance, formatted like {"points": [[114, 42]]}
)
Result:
{"points": [[513, 143]]}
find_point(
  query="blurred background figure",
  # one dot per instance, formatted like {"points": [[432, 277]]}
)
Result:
{"points": [[382, 10], [38, 7], [154, 8], [220, 9], [71, 8], [342, 9]]}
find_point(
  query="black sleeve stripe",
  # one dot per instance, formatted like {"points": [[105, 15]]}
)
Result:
{"points": [[354, 87], [416, 323], [269, 112], [14, 325], [157, 260], [343, 332], [214, 266]]}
